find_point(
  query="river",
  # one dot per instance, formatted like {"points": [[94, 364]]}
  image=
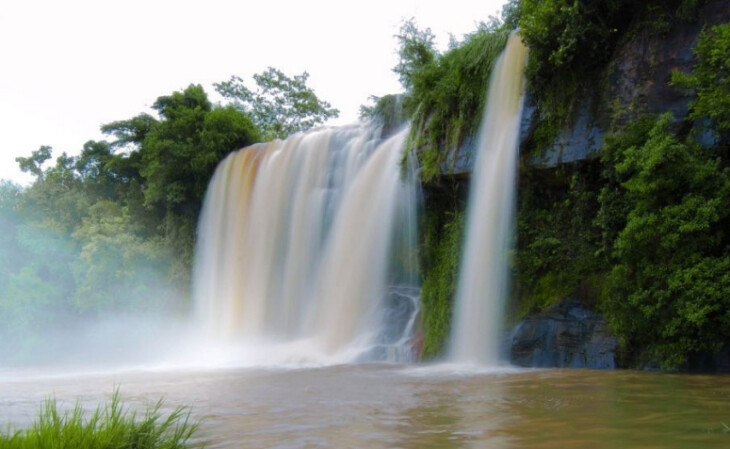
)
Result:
{"points": [[405, 406]]}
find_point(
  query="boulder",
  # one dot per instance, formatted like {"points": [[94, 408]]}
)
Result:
{"points": [[567, 335]]}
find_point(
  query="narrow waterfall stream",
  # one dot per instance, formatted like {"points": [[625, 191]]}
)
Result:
{"points": [[483, 277]]}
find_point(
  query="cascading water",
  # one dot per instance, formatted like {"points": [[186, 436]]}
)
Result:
{"points": [[483, 277], [311, 239]]}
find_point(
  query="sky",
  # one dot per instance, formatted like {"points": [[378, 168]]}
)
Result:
{"points": [[69, 66]]}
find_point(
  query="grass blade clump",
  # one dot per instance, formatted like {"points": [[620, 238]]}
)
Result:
{"points": [[110, 427]]}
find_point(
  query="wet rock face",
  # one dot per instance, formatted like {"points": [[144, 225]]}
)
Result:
{"points": [[576, 142], [641, 72], [566, 335], [638, 82]]}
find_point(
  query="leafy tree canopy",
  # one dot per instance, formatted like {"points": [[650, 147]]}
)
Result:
{"points": [[130, 132], [416, 51], [34, 163], [113, 228], [176, 154], [280, 105]]}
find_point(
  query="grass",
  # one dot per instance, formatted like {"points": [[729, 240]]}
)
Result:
{"points": [[110, 427]]}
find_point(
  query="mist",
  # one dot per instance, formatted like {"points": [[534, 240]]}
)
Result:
{"points": [[95, 295]]}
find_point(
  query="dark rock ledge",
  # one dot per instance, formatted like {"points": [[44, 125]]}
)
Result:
{"points": [[566, 335]]}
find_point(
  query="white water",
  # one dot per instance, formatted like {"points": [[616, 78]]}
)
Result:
{"points": [[302, 245], [483, 279]]}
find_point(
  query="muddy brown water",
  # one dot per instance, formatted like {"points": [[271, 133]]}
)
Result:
{"points": [[397, 406]]}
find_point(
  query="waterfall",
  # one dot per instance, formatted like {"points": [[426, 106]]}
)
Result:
{"points": [[311, 238], [483, 277]]}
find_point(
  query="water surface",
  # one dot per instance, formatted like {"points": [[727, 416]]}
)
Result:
{"points": [[397, 406]]}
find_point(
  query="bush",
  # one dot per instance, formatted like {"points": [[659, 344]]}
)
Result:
{"points": [[668, 293]]}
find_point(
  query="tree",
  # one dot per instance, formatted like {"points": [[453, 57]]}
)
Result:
{"points": [[9, 219], [55, 199], [113, 228], [280, 106], [510, 16], [117, 269], [130, 132], [180, 152], [34, 163], [170, 160], [174, 156], [416, 51]]}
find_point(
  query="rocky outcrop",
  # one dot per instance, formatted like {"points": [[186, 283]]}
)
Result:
{"points": [[637, 81], [577, 142], [639, 78], [567, 335]]}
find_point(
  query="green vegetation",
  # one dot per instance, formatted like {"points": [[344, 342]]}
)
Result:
{"points": [[557, 239], [416, 52], [109, 427], [669, 287], [572, 41], [568, 41], [665, 214], [646, 239], [444, 96], [444, 92], [710, 80], [173, 158], [387, 111], [443, 240], [281, 105], [112, 230], [639, 232]]}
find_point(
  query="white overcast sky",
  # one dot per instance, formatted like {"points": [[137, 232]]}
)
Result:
{"points": [[69, 66]]}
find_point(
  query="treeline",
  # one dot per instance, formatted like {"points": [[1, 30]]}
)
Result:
{"points": [[639, 230], [112, 230]]}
